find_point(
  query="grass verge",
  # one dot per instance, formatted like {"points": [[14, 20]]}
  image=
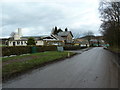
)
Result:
{"points": [[115, 51], [27, 62]]}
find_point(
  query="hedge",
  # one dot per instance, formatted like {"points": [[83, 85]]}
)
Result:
{"points": [[18, 50], [73, 47]]}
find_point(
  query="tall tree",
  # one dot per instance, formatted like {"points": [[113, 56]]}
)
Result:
{"points": [[110, 16]]}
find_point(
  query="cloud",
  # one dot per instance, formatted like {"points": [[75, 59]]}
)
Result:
{"points": [[38, 18]]}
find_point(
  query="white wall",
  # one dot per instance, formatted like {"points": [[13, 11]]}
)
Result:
{"points": [[40, 42], [24, 43], [16, 37], [21, 43]]}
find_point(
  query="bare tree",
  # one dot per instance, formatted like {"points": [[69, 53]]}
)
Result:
{"points": [[89, 35], [110, 28], [77, 35], [12, 34]]}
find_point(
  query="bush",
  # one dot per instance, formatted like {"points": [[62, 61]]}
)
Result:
{"points": [[18, 50], [31, 41]]}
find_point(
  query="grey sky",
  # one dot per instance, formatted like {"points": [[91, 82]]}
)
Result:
{"points": [[38, 18]]}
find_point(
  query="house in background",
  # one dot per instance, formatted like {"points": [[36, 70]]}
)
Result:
{"points": [[81, 42], [18, 40], [65, 36], [3, 41], [93, 41], [61, 38]]}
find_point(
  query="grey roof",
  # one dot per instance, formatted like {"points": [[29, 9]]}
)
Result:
{"points": [[57, 37], [48, 37], [35, 36], [65, 33], [24, 38]]}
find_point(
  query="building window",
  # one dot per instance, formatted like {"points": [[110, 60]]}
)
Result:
{"points": [[13, 43], [22, 42], [18, 42]]}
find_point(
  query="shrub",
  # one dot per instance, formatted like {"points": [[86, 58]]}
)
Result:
{"points": [[31, 41], [17, 50]]}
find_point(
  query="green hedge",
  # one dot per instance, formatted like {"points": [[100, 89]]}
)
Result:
{"points": [[73, 47], [18, 50], [46, 48]]}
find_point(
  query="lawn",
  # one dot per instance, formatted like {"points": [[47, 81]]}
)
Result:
{"points": [[17, 64]]}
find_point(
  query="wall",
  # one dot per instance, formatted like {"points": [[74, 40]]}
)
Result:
{"points": [[40, 42], [23, 43], [69, 38], [17, 43]]}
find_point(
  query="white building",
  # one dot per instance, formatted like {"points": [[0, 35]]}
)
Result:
{"points": [[18, 40]]}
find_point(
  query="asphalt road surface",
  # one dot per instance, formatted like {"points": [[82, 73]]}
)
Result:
{"points": [[94, 68]]}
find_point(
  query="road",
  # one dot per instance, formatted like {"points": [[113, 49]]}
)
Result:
{"points": [[94, 68]]}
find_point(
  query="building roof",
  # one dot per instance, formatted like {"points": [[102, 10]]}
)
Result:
{"points": [[57, 37], [92, 37], [34, 36], [65, 33]]}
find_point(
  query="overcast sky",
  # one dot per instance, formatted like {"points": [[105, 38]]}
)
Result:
{"points": [[38, 18]]}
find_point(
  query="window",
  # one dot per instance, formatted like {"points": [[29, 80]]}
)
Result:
{"points": [[22, 42], [13, 43], [18, 42]]}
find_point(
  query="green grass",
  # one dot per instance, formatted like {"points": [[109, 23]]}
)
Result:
{"points": [[11, 58], [37, 59]]}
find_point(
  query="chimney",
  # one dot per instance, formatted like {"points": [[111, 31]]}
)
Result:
{"points": [[20, 32]]}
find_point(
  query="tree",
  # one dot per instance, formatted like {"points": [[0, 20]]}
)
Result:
{"points": [[77, 35], [110, 27], [12, 34], [31, 41]]}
